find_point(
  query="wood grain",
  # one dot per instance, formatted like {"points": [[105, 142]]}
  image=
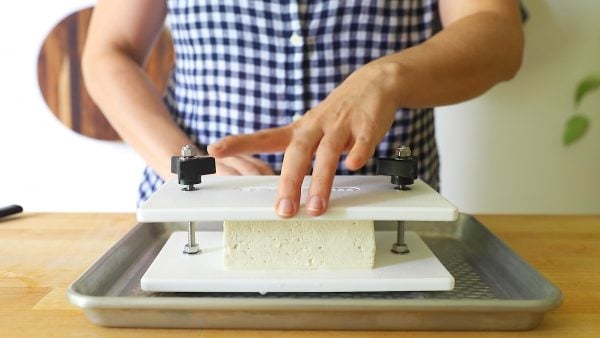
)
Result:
{"points": [[41, 254], [61, 82]]}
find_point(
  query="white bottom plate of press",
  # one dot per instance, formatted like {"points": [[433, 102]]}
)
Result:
{"points": [[174, 271]]}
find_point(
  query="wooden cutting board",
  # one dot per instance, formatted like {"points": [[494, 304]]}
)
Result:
{"points": [[61, 82]]}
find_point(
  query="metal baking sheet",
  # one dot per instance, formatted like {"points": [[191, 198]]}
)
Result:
{"points": [[494, 290]]}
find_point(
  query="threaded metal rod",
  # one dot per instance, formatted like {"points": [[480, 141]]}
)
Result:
{"points": [[400, 247], [191, 247], [191, 234]]}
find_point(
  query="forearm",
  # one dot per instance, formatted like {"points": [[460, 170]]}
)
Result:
{"points": [[134, 107], [461, 62]]}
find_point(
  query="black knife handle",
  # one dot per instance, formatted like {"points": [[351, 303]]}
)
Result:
{"points": [[10, 210]]}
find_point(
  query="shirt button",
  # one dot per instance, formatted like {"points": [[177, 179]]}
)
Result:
{"points": [[296, 40]]}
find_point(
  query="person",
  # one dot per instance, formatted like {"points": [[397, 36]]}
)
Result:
{"points": [[330, 84]]}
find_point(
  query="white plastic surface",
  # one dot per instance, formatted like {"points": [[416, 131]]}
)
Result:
{"points": [[174, 271], [221, 198]]}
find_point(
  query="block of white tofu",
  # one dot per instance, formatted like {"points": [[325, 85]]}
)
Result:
{"points": [[298, 245]]}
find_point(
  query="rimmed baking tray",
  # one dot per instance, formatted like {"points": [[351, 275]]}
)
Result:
{"points": [[495, 289]]}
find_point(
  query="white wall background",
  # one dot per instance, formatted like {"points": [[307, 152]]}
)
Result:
{"points": [[501, 153], [45, 166]]}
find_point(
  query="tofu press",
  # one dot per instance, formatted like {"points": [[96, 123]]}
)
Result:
{"points": [[402, 169], [205, 202]]}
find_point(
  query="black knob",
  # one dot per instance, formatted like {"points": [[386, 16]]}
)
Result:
{"points": [[190, 168], [403, 168]]}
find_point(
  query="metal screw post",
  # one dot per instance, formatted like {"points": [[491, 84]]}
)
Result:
{"points": [[402, 152], [188, 151], [400, 247], [191, 248]]}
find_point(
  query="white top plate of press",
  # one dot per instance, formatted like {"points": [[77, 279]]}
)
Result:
{"points": [[222, 198]]}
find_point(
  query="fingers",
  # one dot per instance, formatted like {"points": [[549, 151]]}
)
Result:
{"points": [[263, 167], [327, 146], [327, 158], [320, 133], [361, 152], [225, 170], [242, 165], [265, 141], [296, 161]]}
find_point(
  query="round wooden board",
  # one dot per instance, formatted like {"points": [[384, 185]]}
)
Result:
{"points": [[61, 82]]}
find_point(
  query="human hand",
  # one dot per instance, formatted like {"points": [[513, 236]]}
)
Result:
{"points": [[242, 165], [353, 118]]}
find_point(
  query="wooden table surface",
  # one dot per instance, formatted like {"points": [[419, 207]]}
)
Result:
{"points": [[41, 254]]}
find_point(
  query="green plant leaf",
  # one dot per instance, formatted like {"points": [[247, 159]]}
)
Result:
{"points": [[586, 85], [576, 127]]}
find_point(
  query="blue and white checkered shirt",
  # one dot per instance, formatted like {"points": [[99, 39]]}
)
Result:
{"points": [[242, 66]]}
